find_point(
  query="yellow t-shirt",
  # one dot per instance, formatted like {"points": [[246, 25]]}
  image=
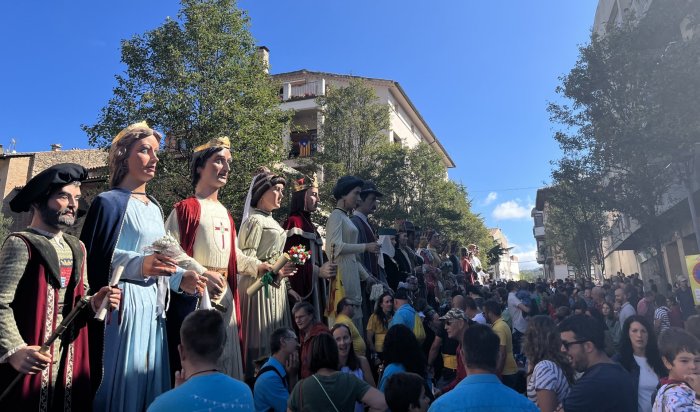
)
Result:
{"points": [[375, 325], [506, 337], [358, 343]]}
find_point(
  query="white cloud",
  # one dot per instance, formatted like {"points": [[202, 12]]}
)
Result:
{"points": [[492, 196], [511, 209], [527, 256]]}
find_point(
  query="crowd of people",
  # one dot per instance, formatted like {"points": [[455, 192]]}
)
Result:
{"points": [[202, 316]]}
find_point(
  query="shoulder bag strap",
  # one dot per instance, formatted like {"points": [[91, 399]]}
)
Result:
{"points": [[325, 393]]}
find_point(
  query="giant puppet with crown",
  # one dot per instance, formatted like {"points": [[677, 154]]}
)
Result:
{"points": [[206, 232], [309, 282]]}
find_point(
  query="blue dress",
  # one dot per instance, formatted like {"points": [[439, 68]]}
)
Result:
{"points": [[135, 359]]}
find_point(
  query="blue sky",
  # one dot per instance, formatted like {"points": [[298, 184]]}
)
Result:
{"points": [[480, 72]]}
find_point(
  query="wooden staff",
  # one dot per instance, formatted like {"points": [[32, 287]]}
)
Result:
{"points": [[65, 323], [331, 287]]}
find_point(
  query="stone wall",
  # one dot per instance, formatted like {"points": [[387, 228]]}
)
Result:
{"points": [[89, 158], [16, 170]]}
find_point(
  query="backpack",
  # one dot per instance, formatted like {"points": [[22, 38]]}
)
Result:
{"points": [[418, 329], [268, 368]]}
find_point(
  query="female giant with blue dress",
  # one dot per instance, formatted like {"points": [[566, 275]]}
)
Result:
{"points": [[120, 224]]}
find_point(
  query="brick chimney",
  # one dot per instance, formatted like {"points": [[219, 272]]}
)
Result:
{"points": [[55, 147]]}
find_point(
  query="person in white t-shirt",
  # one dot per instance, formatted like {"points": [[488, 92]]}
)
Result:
{"points": [[473, 311], [639, 354], [516, 309]]}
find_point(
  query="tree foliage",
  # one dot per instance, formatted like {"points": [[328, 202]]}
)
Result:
{"points": [[416, 187], [494, 254], [631, 110], [354, 127], [196, 78], [576, 218], [413, 180]]}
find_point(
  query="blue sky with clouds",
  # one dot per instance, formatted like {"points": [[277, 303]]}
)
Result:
{"points": [[480, 72]]}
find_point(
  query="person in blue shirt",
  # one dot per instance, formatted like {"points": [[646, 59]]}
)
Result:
{"points": [[481, 389], [272, 385], [200, 385], [405, 313]]}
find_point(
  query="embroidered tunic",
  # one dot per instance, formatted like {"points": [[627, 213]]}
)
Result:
{"points": [[42, 274]]}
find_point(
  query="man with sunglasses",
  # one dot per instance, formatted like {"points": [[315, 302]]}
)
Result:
{"points": [[456, 323], [604, 385]]}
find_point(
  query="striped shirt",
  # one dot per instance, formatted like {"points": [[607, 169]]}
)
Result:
{"points": [[661, 313], [547, 375]]}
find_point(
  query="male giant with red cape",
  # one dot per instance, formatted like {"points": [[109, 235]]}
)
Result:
{"points": [[43, 278], [207, 233]]}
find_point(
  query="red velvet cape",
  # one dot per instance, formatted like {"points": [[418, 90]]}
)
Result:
{"points": [[34, 306], [302, 282]]}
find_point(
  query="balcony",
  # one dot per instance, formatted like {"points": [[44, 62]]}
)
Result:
{"points": [[303, 144], [538, 231], [291, 91]]}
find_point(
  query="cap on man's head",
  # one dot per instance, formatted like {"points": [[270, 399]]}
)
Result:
{"points": [[401, 293], [370, 187], [40, 185], [454, 314]]}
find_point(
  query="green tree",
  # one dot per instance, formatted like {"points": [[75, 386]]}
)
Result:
{"points": [[494, 254], [632, 99], [414, 181], [196, 78], [354, 127], [415, 186], [576, 218]]}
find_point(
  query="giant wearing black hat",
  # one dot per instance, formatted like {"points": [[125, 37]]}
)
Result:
{"points": [[43, 279], [45, 182]]}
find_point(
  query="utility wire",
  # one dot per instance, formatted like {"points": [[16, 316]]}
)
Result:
{"points": [[504, 190]]}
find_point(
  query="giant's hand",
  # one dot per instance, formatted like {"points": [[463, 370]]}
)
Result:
{"points": [[216, 283], [192, 283], [372, 247], [158, 265], [264, 268], [29, 360], [289, 269], [328, 270], [113, 294]]}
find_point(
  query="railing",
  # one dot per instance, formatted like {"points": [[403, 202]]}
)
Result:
{"points": [[309, 89], [299, 91]]}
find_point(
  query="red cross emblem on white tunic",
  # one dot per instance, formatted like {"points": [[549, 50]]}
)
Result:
{"points": [[224, 230]]}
